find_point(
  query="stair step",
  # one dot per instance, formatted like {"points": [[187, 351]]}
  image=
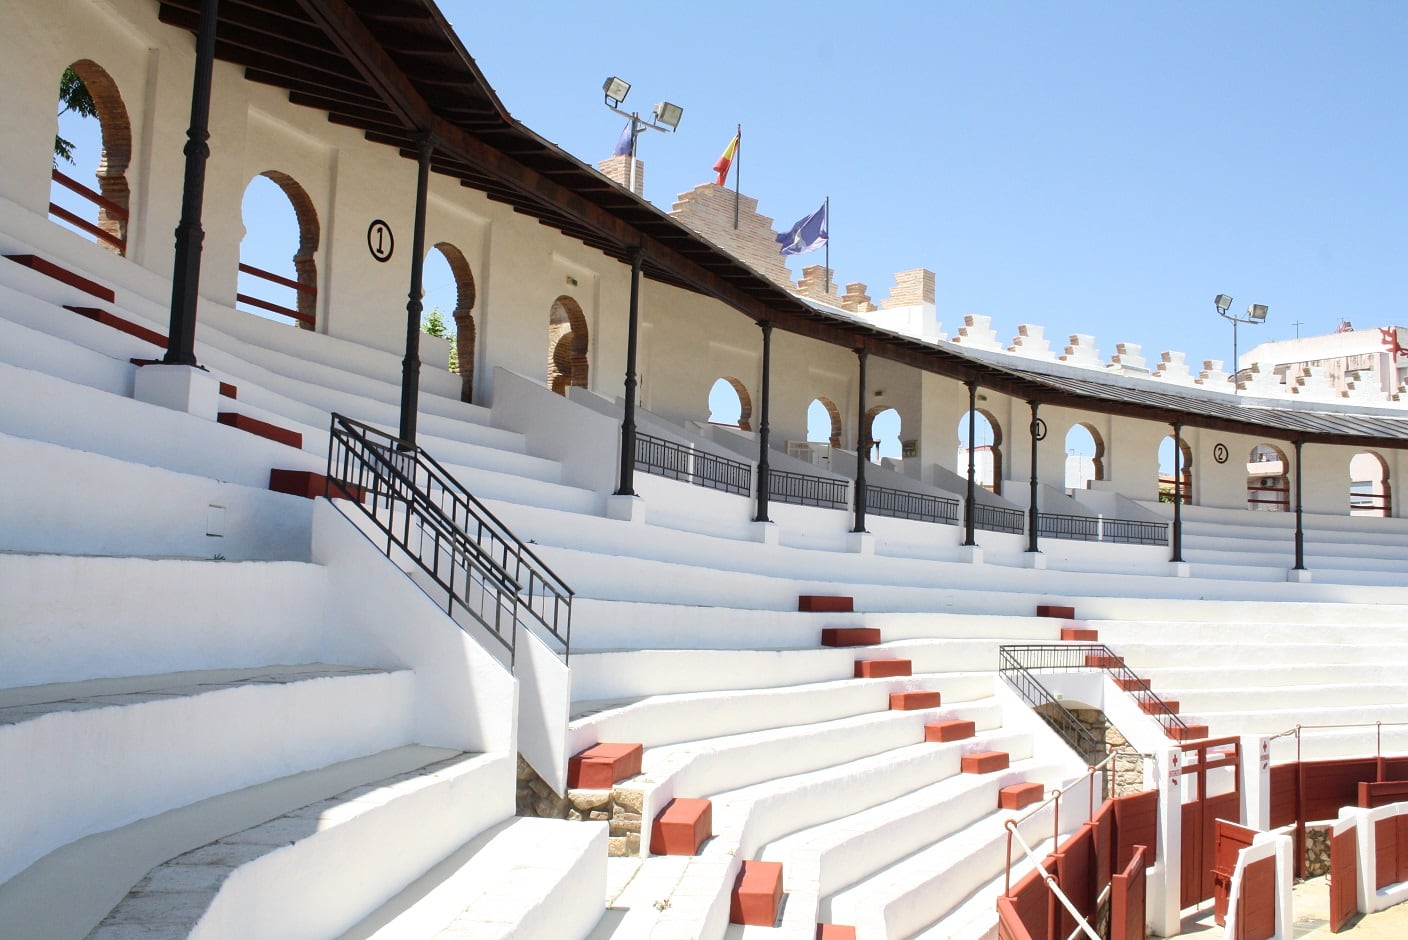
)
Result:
{"points": [[1057, 611], [64, 275], [883, 668], [1080, 634], [757, 894], [106, 318], [1019, 795], [682, 827], [1135, 684], [261, 428], [1159, 706], [1103, 661], [913, 700], [945, 731], [850, 636], [602, 766], [825, 604], [835, 932], [1188, 732], [984, 762], [311, 485]]}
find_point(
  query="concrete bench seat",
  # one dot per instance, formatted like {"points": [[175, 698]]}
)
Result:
{"points": [[1308, 697]]}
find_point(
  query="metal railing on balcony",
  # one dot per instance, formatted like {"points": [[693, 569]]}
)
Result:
{"points": [[1097, 529], [803, 489], [664, 458], [1035, 658], [902, 504], [299, 289], [114, 212], [999, 518], [478, 565]]}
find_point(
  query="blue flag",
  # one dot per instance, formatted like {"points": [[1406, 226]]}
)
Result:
{"points": [[623, 145], [807, 235]]}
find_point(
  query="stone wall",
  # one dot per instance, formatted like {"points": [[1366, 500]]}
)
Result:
{"points": [[620, 806], [1128, 766]]}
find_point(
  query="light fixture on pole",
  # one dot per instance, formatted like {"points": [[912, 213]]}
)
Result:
{"points": [[1256, 313], [666, 116]]}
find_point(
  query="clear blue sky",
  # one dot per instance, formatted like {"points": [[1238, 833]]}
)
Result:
{"points": [[1100, 168]]}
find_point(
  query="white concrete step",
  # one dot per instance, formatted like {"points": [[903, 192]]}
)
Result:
{"points": [[1288, 696], [976, 917], [318, 870], [530, 879], [1188, 681], [1277, 720], [496, 488], [87, 756], [1140, 655]]}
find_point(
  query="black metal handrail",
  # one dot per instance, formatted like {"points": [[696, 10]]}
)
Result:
{"points": [[1060, 719], [667, 459], [1053, 525], [1096, 529], [454, 538], [803, 489], [903, 504], [1072, 657], [999, 518]]}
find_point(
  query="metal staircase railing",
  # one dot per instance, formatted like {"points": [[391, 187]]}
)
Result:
{"points": [[1070, 657], [481, 567], [1072, 730]]}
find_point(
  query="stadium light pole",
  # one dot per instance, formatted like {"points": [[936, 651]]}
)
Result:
{"points": [[666, 116], [1256, 314]]}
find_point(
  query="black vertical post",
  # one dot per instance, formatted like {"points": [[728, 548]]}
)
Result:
{"points": [[1177, 492], [763, 467], [190, 236], [862, 445], [969, 517], [1033, 512], [1300, 522], [410, 365], [626, 485]]}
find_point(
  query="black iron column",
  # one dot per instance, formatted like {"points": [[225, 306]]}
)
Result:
{"points": [[1033, 512], [626, 485], [1300, 522], [969, 518], [190, 237], [410, 366], [763, 467], [1177, 492], [862, 445]]}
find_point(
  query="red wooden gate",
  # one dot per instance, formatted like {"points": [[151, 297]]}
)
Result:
{"points": [[1127, 893], [1256, 902], [1344, 878], [1229, 841], [1390, 851], [1200, 811]]}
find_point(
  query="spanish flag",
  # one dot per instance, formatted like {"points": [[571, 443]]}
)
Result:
{"points": [[726, 160]]}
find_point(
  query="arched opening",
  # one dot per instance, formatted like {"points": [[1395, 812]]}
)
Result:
{"points": [[1085, 456], [450, 283], [986, 447], [1368, 485], [730, 405], [1167, 482], [1268, 480], [882, 432], [278, 271], [567, 345], [94, 135], [824, 422]]}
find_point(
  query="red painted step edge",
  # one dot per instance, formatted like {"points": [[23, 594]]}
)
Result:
{"points": [[983, 762], [1019, 795], [1080, 634], [601, 766], [310, 485], [1057, 611], [883, 668], [1137, 684], [757, 894], [825, 603], [1189, 733], [835, 932], [99, 315], [262, 428], [944, 731], [682, 827], [913, 700], [64, 275], [1161, 707], [850, 636], [1101, 661]]}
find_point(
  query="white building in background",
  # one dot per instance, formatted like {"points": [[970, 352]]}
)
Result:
{"points": [[1351, 363]]}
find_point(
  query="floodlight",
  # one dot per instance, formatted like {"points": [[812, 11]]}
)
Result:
{"points": [[1257, 312], [1223, 302], [668, 114], [616, 90]]}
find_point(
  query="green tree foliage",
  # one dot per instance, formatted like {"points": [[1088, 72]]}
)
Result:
{"points": [[73, 96], [434, 324]]}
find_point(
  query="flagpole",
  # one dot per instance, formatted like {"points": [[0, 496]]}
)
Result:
{"points": [[737, 172], [827, 289]]}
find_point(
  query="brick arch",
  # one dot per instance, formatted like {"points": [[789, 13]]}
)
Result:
{"points": [[305, 265], [117, 145], [835, 414], [568, 341], [745, 402], [465, 295], [1097, 459], [870, 443]]}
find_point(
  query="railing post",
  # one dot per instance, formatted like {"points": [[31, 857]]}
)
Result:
{"points": [[190, 236], [1033, 512], [969, 519], [1177, 492], [764, 481], [1300, 521], [410, 364], [627, 481], [862, 444]]}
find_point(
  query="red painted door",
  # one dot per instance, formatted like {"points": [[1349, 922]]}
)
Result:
{"points": [[1344, 879]]}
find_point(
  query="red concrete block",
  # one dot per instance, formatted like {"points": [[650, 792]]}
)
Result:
{"points": [[1080, 634], [229, 391], [310, 485], [850, 636], [1164, 707], [942, 732], [1136, 684], [262, 428], [883, 668], [682, 827], [1189, 733], [983, 762], [99, 315], [64, 275], [835, 932], [913, 700], [757, 894], [1101, 661], [1052, 610], [826, 604], [1019, 795], [601, 766]]}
